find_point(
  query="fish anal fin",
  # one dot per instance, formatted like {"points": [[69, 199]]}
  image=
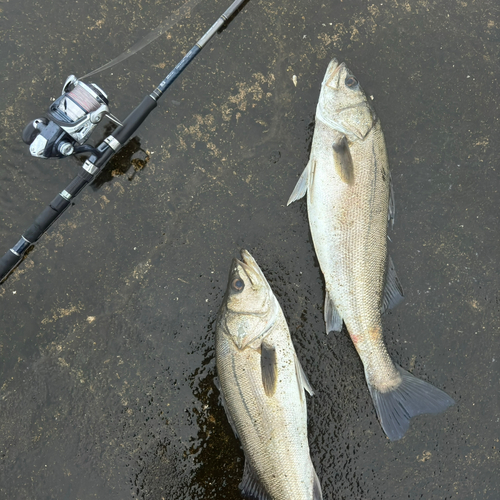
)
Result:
{"points": [[393, 291], [269, 369], [342, 158], [333, 319], [250, 485], [410, 398], [301, 186]]}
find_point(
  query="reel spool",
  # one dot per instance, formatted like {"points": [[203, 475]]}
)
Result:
{"points": [[69, 122]]}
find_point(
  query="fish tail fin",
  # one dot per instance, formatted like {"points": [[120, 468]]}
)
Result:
{"points": [[412, 397]]}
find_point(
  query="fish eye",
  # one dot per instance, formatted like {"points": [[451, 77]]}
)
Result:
{"points": [[351, 82], [238, 284]]}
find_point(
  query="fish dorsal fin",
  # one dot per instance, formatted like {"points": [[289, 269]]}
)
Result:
{"points": [[393, 291], [342, 158], [333, 319], [302, 378], [269, 368], [223, 401], [301, 186], [250, 485]]}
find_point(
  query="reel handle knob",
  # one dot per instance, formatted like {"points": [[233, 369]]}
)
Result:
{"points": [[31, 130]]}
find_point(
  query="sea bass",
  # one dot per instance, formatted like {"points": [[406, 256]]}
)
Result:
{"points": [[262, 386], [350, 204]]}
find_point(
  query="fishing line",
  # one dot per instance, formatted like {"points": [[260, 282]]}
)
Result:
{"points": [[179, 14]]}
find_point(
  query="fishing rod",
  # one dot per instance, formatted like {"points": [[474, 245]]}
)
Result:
{"points": [[68, 124]]}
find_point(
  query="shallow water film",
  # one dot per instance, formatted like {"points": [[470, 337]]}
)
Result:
{"points": [[107, 326]]}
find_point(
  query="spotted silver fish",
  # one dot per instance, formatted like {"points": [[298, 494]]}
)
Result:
{"points": [[262, 385], [350, 203]]}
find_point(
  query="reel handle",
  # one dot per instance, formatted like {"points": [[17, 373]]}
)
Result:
{"points": [[31, 130]]}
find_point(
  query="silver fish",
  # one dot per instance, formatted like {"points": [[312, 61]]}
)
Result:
{"points": [[262, 386], [350, 203]]}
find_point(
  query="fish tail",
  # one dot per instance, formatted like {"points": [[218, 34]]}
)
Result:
{"points": [[410, 398]]}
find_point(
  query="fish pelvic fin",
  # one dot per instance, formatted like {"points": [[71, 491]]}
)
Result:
{"points": [[301, 186], [395, 408], [333, 319], [302, 379]]}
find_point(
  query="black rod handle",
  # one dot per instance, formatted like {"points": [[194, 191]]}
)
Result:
{"points": [[9, 261], [123, 133], [49, 215], [46, 219]]}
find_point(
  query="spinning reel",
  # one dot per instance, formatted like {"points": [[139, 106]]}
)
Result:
{"points": [[69, 122]]}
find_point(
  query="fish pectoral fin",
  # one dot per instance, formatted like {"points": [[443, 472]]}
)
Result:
{"points": [[342, 158], [217, 383], [302, 378], [269, 369], [223, 401], [333, 319], [301, 186], [393, 291], [250, 485]]}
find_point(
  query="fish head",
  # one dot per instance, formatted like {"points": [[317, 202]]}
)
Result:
{"points": [[343, 104], [250, 307]]}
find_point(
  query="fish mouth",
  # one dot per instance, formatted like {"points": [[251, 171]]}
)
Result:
{"points": [[333, 70], [250, 268]]}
